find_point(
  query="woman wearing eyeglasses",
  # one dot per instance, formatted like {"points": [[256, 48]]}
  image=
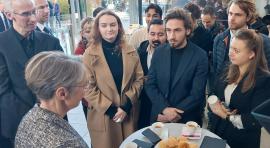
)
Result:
{"points": [[116, 78], [244, 86], [59, 83]]}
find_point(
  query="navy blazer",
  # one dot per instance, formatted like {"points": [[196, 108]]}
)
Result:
{"points": [[16, 98], [188, 87], [249, 137]]}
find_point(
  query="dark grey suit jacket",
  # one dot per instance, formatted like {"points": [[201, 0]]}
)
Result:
{"points": [[16, 99], [188, 87], [249, 137]]}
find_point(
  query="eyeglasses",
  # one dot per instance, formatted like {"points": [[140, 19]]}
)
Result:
{"points": [[27, 13]]}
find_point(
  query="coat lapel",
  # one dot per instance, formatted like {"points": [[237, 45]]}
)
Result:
{"points": [[186, 59], [129, 60], [101, 66], [166, 67]]}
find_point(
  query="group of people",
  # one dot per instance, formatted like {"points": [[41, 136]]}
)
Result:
{"points": [[160, 74]]}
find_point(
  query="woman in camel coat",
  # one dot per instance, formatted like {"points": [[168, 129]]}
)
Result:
{"points": [[116, 79]]}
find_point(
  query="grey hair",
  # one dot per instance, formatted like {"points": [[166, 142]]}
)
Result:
{"points": [[50, 70]]}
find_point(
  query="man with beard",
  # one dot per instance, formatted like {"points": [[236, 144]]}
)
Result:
{"points": [[177, 77], [17, 45], [156, 37], [240, 13], [43, 13]]}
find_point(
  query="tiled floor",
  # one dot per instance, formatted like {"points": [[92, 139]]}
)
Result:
{"points": [[77, 120]]}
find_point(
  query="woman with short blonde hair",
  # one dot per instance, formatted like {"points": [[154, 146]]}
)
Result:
{"points": [[59, 82]]}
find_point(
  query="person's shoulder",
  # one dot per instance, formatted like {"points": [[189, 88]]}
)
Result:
{"points": [[198, 50], [223, 34], [140, 31], [129, 49], [162, 48], [4, 34], [45, 36], [143, 46], [262, 78]]}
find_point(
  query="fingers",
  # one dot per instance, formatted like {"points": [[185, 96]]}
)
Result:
{"points": [[179, 111], [162, 118], [119, 115], [232, 112], [176, 119], [224, 108]]}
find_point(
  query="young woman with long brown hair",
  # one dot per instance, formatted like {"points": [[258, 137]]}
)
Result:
{"points": [[245, 85]]}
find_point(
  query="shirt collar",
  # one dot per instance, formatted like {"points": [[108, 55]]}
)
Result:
{"points": [[149, 49], [21, 38], [232, 34], [40, 26]]}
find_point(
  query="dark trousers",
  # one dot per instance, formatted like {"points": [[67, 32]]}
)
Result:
{"points": [[145, 111]]}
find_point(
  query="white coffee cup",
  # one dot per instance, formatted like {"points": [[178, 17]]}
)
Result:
{"points": [[191, 126], [212, 100], [160, 130]]}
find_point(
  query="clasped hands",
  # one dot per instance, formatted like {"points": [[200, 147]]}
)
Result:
{"points": [[220, 110], [170, 114]]}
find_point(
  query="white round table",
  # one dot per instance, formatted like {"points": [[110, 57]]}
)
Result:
{"points": [[175, 130]]}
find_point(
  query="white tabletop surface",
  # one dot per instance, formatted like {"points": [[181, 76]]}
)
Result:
{"points": [[175, 130]]}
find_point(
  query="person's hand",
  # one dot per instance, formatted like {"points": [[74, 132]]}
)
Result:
{"points": [[172, 114], [220, 110], [162, 118], [119, 115]]}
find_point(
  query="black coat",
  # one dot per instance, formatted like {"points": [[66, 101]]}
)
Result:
{"points": [[186, 91], [16, 98], [249, 137], [260, 26], [202, 38], [145, 107]]}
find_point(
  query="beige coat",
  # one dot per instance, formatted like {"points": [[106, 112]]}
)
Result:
{"points": [[104, 132]]}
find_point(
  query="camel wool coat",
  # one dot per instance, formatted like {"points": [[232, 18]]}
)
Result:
{"points": [[104, 132]]}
